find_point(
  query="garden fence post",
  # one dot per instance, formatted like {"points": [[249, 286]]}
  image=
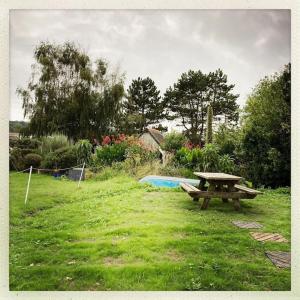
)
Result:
{"points": [[81, 174], [28, 184]]}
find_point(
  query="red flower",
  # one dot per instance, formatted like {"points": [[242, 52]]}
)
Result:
{"points": [[106, 140]]}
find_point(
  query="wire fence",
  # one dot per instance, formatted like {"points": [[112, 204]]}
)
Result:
{"points": [[47, 170]]}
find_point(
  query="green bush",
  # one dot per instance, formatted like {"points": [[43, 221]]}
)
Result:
{"points": [[190, 158], [84, 151], [210, 158], [174, 141], [227, 139], [59, 159], [106, 173], [226, 164], [25, 143], [53, 142], [266, 131], [33, 160], [108, 154], [207, 159], [16, 159]]}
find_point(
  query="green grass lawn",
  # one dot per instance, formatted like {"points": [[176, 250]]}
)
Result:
{"points": [[118, 234]]}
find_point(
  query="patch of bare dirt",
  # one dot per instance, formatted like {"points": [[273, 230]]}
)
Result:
{"points": [[113, 261], [180, 235], [174, 255]]}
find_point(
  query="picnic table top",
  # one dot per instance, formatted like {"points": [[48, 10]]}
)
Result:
{"points": [[217, 176]]}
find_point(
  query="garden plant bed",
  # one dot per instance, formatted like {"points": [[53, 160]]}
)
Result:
{"points": [[118, 234]]}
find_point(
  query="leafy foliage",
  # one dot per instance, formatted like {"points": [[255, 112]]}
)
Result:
{"points": [[206, 159], [143, 106], [194, 91], [65, 84], [33, 160], [25, 143], [267, 131], [228, 139], [108, 154], [16, 159], [61, 158], [84, 151], [174, 141], [53, 142], [17, 126]]}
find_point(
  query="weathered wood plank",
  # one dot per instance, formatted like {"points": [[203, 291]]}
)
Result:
{"points": [[188, 187], [247, 225], [268, 237], [279, 259], [217, 176], [216, 194], [247, 190]]}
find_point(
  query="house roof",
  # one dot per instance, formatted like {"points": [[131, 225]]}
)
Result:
{"points": [[156, 135]]}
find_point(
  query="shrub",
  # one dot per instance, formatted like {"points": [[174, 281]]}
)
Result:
{"points": [[53, 142], [25, 143], [226, 164], [16, 159], [108, 154], [33, 160], [137, 156], [227, 139], [210, 155], [207, 159], [106, 173], [59, 159], [174, 141], [84, 151], [266, 131]]}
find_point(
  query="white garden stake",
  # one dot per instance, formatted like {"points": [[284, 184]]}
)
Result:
{"points": [[81, 174], [28, 184]]}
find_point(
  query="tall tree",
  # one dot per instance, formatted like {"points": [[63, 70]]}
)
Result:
{"points": [[266, 130], [221, 98], [188, 99], [66, 95], [144, 105]]}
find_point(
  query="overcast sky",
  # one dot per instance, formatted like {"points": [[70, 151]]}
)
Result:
{"points": [[161, 44]]}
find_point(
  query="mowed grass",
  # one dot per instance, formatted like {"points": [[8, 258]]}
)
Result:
{"points": [[118, 234]]}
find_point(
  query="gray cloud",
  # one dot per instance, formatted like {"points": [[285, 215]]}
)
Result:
{"points": [[162, 44]]}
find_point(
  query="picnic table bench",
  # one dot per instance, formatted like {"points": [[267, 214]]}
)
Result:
{"points": [[220, 185]]}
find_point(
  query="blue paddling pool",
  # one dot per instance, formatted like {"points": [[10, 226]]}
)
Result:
{"points": [[165, 181]]}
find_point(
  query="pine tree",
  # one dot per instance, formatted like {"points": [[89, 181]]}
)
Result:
{"points": [[144, 105]]}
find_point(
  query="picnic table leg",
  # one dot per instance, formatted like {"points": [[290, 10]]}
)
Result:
{"points": [[206, 200], [236, 204], [224, 189], [236, 201]]}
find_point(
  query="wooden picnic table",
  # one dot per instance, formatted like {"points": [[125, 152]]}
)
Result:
{"points": [[220, 185], [218, 182]]}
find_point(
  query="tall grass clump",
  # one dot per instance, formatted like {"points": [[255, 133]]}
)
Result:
{"points": [[53, 142]]}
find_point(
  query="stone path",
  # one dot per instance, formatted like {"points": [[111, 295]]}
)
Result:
{"points": [[268, 237], [279, 258], [247, 225]]}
